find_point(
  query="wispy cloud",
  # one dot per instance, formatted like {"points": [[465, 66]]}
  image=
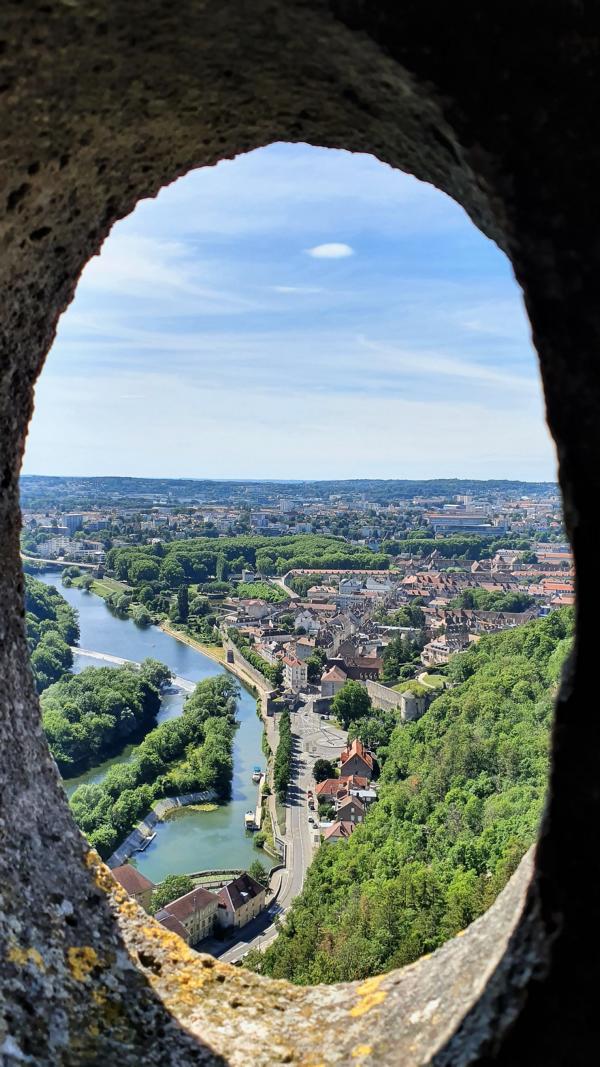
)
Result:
{"points": [[334, 250], [207, 318], [308, 290]]}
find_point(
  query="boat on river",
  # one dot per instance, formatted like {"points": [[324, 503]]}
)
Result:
{"points": [[256, 774], [249, 821]]}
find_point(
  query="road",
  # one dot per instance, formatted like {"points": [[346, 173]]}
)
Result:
{"points": [[286, 588], [314, 738]]}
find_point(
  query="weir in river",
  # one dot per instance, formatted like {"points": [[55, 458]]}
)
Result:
{"points": [[190, 840]]}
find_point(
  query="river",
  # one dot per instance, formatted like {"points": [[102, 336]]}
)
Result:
{"points": [[190, 840]]}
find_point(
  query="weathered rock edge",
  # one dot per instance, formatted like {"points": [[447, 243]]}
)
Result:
{"points": [[103, 104]]}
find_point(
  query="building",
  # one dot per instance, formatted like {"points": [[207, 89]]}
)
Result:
{"points": [[295, 673], [338, 831], [350, 809], [240, 901], [306, 621], [55, 546], [356, 760], [256, 609], [332, 681], [304, 648], [136, 884], [195, 911], [332, 789], [73, 521]]}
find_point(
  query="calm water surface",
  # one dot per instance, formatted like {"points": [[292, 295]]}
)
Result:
{"points": [[192, 840]]}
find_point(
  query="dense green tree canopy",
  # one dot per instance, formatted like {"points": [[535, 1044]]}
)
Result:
{"points": [[461, 794], [350, 703], [52, 628], [184, 755], [91, 715]]}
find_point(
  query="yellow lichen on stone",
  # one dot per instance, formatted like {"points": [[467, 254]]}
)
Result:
{"points": [[129, 908], [361, 1050], [82, 959], [370, 995], [22, 956]]}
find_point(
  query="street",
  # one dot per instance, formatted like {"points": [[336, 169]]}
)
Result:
{"points": [[314, 738]]}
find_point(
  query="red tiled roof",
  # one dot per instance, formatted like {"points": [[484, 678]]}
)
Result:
{"points": [[332, 787], [131, 879], [194, 901], [357, 749], [353, 801], [338, 829], [334, 674]]}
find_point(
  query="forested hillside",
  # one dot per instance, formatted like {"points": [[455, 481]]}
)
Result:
{"points": [[461, 795], [52, 628]]}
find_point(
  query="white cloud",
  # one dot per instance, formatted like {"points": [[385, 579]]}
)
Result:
{"points": [[335, 250], [297, 289]]}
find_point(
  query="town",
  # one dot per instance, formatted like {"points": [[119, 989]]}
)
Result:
{"points": [[342, 613]]}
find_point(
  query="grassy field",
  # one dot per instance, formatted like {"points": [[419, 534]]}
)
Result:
{"points": [[216, 652], [103, 586], [433, 681]]}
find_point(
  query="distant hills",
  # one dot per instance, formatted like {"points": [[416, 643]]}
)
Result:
{"points": [[68, 492]]}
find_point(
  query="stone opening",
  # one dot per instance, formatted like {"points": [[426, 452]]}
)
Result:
{"points": [[103, 106]]}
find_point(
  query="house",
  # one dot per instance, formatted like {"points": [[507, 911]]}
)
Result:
{"points": [[240, 901], [306, 621], [350, 809], [256, 609], [338, 831], [171, 923], [136, 884], [295, 673], [337, 788], [196, 911], [355, 760], [350, 585], [332, 681], [304, 648]]}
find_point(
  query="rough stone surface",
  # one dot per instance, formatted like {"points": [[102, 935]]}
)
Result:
{"points": [[104, 103]]}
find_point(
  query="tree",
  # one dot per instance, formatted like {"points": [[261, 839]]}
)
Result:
{"points": [[259, 872], [352, 702], [141, 616], [173, 887], [183, 603], [323, 769]]}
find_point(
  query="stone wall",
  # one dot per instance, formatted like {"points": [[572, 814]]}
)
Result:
{"points": [[103, 105], [408, 704]]}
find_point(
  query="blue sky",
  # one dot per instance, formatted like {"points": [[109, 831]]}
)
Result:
{"points": [[295, 312]]}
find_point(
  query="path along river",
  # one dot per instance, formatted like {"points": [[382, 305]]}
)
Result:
{"points": [[190, 840]]}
